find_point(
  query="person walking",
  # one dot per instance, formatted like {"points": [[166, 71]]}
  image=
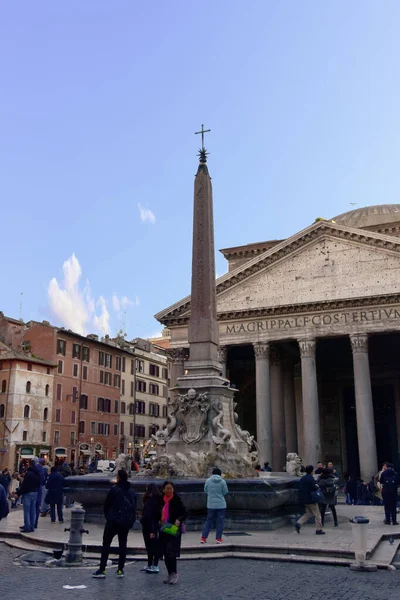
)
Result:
{"points": [[307, 487], [43, 477], [216, 489], [389, 481], [54, 495], [150, 521], [120, 513], [29, 490], [173, 513], [327, 484]]}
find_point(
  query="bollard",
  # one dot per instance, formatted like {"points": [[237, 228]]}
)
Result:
{"points": [[74, 554], [360, 528]]}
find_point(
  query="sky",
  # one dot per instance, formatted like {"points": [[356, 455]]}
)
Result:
{"points": [[99, 103]]}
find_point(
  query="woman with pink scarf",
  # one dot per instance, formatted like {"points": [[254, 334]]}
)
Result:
{"points": [[173, 513]]}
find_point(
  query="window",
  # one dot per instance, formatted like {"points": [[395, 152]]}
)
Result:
{"points": [[59, 390], [101, 376], [56, 437], [93, 427], [165, 373], [60, 365], [84, 372], [123, 364], [131, 429], [140, 431], [3, 386], [75, 370], [83, 403], [123, 408], [115, 429], [100, 428], [27, 411], [58, 416], [154, 389], [132, 389], [1, 365], [44, 436], [131, 409], [140, 407], [116, 406], [122, 428], [48, 370], [81, 428], [24, 436], [153, 429], [140, 385], [117, 380], [2, 410], [107, 405], [72, 438], [139, 366], [154, 370], [108, 361], [117, 363], [100, 404], [123, 387], [28, 387], [74, 394], [101, 358], [154, 410], [132, 366], [165, 411], [106, 429], [45, 414], [76, 351], [46, 390], [108, 378], [61, 347], [86, 353], [29, 366], [73, 417]]}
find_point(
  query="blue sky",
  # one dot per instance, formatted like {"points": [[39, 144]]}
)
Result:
{"points": [[99, 103]]}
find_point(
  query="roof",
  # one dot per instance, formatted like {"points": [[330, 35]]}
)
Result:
{"points": [[368, 216], [7, 353], [254, 248]]}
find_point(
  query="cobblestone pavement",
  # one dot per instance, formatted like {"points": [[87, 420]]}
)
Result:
{"points": [[215, 579]]}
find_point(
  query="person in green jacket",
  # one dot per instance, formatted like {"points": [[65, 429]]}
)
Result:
{"points": [[216, 490]]}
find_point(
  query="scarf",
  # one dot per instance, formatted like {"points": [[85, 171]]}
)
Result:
{"points": [[165, 509]]}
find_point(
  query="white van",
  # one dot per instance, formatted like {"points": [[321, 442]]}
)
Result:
{"points": [[104, 466]]}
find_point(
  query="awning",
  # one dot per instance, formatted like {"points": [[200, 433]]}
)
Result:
{"points": [[86, 452], [99, 452], [60, 452]]}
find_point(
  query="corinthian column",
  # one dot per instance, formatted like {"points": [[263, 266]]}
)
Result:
{"points": [[263, 401], [222, 357], [278, 412], [364, 406], [290, 406], [177, 358], [311, 423]]}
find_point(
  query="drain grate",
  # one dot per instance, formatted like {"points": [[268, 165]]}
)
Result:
{"points": [[228, 533]]}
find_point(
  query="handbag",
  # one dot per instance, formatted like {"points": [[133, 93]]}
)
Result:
{"points": [[317, 496], [170, 529]]}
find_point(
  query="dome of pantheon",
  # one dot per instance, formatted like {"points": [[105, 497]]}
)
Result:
{"points": [[370, 216]]}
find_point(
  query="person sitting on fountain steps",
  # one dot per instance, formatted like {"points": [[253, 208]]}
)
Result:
{"points": [[120, 513], [307, 488]]}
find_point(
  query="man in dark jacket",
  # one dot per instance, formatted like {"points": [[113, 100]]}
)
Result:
{"points": [[4, 508], [54, 495], [5, 480], [43, 476], [29, 490], [120, 513], [389, 481], [307, 486]]}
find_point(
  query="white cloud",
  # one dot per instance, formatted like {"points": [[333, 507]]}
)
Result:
{"points": [[146, 215], [73, 305]]}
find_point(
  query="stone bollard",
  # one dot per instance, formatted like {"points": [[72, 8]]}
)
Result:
{"points": [[74, 554], [360, 529]]}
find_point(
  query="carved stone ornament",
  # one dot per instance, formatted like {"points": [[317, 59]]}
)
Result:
{"points": [[293, 464], [359, 342], [193, 410], [178, 355], [307, 348], [222, 353], [261, 350]]}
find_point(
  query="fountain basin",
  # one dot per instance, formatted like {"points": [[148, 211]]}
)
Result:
{"points": [[265, 502]]}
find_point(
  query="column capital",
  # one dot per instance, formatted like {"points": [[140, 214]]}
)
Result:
{"points": [[177, 356], [222, 353], [359, 342], [307, 348], [261, 350]]}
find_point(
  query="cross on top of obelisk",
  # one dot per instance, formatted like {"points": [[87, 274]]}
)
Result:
{"points": [[202, 151]]}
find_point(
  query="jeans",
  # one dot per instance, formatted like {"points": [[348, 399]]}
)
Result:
{"points": [[29, 504], [38, 503], [311, 510], [219, 515], [111, 530], [59, 512]]}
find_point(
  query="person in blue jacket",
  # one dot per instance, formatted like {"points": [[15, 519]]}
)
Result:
{"points": [[307, 486], [216, 490], [55, 494]]}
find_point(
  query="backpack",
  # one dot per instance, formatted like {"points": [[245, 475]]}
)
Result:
{"points": [[125, 514]]}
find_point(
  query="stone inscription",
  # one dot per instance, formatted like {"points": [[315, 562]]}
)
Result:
{"points": [[317, 320]]}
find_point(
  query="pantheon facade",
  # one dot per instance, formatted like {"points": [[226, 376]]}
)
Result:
{"points": [[309, 331]]}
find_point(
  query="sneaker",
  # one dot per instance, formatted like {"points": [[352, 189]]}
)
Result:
{"points": [[320, 532], [395, 523], [146, 569], [173, 578], [99, 574], [154, 569], [219, 541], [168, 579], [120, 573], [203, 540], [297, 527]]}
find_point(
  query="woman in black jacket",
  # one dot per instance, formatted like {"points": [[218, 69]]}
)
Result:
{"points": [[327, 484], [152, 504], [173, 513]]}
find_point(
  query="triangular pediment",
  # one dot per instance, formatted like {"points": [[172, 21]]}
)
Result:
{"points": [[324, 262]]}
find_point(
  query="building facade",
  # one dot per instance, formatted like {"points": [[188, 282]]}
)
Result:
{"points": [[309, 331]]}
